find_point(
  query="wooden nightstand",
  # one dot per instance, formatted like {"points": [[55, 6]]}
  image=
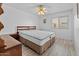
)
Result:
{"points": [[15, 35], [13, 47]]}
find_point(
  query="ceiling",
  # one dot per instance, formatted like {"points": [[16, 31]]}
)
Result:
{"points": [[51, 7]]}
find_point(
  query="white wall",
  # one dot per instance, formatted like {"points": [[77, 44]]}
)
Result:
{"points": [[76, 30], [62, 33], [13, 17]]}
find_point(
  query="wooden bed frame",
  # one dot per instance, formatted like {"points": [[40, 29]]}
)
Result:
{"points": [[39, 49]]}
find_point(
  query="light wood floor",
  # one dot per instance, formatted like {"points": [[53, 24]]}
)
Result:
{"points": [[61, 47]]}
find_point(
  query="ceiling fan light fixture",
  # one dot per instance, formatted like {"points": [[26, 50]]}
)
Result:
{"points": [[41, 10]]}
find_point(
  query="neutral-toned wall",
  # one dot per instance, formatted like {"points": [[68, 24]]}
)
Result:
{"points": [[13, 17], [62, 33], [76, 30]]}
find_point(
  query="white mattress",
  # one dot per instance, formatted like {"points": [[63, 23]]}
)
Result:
{"points": [[39, 34]]}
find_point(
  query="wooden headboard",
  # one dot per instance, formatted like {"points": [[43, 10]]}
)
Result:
{"points": [[26, 28]]}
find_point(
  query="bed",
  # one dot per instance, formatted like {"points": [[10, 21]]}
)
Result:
{"points": [[37, 40]]}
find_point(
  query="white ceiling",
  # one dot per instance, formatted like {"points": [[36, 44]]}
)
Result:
{"points": [[51, 7]]}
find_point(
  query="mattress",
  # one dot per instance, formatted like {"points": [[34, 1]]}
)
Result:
{"points": [[36, 36]]}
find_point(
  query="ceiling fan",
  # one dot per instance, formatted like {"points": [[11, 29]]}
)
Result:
{"points": [[41, 10]]}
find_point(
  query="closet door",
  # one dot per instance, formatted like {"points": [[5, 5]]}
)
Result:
{"points": [[1, 10]]}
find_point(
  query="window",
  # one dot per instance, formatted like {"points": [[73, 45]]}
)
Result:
{"points": [[60, 22]]}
